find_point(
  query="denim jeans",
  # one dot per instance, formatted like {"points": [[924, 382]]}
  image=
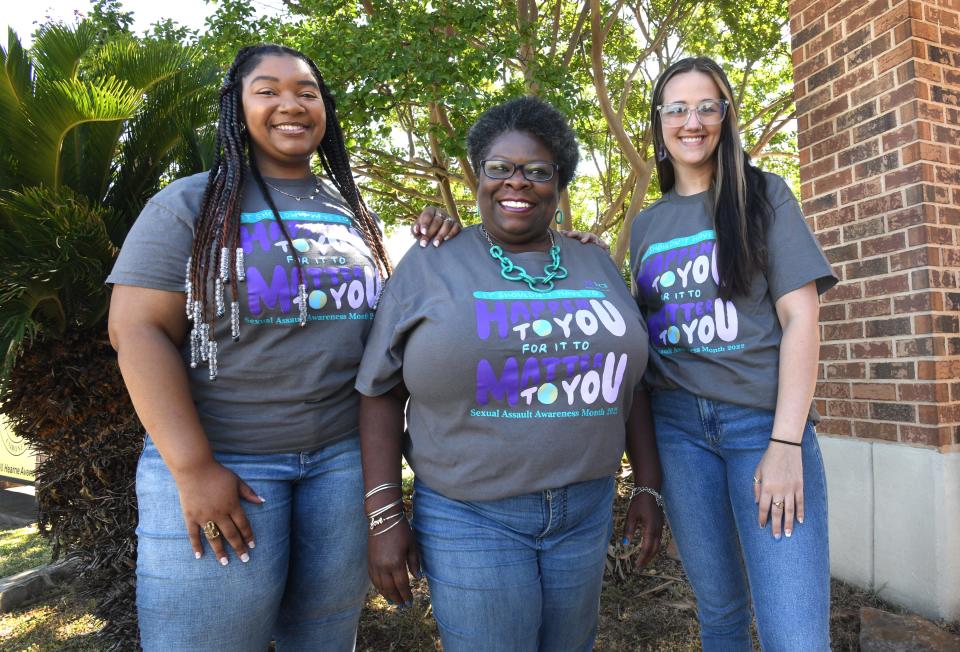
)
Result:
{"points": [[517, 574], [709, 451], [305, 582]]}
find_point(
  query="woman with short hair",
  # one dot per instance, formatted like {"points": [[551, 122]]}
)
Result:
{"points": [[521, 353]]}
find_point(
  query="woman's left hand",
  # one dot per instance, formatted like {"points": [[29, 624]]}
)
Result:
{"points": [[778, 488], [644, 511], [586, 237], [433, 224]]}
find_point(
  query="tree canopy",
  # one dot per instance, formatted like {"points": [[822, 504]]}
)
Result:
{"points": [[410, 77]]}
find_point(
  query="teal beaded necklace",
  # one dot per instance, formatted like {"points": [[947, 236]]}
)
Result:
{"points": [[552, 271]]}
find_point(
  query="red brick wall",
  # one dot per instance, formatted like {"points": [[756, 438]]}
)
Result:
{"points": [[877, 87]]}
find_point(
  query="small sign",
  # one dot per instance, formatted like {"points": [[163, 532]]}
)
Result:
{"points": [[17, 461]]}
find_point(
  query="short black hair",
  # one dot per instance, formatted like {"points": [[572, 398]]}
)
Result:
{"points": [[529, 115]]}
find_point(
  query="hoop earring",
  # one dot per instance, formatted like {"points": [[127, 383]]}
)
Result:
{"points": [[558, 216]]}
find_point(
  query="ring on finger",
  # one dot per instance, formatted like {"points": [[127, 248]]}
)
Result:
{"points": [[756, 480], [778, 504], [211, 531]]}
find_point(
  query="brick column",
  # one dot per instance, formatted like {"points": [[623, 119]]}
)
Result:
{"points": [[877, 87]]}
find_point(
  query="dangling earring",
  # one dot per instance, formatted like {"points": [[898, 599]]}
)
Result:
{"points": [[558, 216], [662, 153]]}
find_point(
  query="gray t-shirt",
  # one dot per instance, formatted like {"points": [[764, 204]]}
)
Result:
{"points": [[722, 350], [511, 391], [281, 388]]}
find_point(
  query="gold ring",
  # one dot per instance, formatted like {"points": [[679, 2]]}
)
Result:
{"points": [[778, 504], [210, 530]]}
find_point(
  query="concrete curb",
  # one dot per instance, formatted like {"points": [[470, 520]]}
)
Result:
{"points": [[30, 585]]}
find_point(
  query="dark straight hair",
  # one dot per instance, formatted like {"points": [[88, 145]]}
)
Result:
{"points": [[741, 209]]}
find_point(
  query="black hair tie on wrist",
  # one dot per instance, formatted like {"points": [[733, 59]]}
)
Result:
{"points": [[784, 441]]}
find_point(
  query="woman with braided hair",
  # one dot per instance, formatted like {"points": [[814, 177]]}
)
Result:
{"points": [[239, 314]]}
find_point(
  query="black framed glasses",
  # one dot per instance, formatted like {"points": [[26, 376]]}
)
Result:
{"points": [[536, 171], [677, 114]]}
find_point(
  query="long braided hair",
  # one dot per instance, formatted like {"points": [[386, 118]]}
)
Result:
{"points": [[217, 260]]}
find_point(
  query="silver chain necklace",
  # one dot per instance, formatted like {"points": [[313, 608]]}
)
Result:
{"points": [[311, 196]]}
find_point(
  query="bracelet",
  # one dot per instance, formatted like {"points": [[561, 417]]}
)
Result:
{"points": [[387, 529], [376, 522], [647, 490], [382, 487], [384, 509], [784, 441]]}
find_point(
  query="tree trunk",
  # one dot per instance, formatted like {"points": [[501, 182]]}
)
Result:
{"points": [[66, 398]]}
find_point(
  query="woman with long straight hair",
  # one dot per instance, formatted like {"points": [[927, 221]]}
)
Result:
{"points": [[727, 275], [242, 301]]}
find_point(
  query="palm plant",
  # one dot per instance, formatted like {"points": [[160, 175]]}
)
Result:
{"points": [[90, 130]]}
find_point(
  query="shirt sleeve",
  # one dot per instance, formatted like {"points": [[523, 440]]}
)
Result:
{"points": [[381, 368], [155, 252], [794, 257]]}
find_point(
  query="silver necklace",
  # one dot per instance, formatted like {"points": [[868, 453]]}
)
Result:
{"points": [[311, 196]]}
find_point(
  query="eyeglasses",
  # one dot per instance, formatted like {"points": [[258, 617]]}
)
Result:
{"points": [[537, 171], [677, 114]]}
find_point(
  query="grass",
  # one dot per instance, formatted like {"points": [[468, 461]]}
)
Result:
{"points": [[22, 549], [60, 624]]}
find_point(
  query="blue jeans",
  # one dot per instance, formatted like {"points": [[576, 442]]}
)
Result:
{"points": [[709, 451], [305, 582], [517, 574]]}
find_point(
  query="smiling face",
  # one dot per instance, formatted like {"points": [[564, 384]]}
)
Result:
{"points": [[516, 211], [692, 146], [284, 115]]}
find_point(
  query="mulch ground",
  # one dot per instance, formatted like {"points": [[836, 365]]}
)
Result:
{"points": [[652, 609]]}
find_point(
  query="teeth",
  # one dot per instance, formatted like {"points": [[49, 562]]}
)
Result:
{"points": [[515, 204], [692, 139], [289, 127]]}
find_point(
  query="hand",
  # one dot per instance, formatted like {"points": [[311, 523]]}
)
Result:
{"points": [[389, 556], [212, 492], [779, 492], [586, 237], [434, 224], [644, 510]]}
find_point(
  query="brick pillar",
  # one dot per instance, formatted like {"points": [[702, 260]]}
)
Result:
{"points": [[877, 87]]}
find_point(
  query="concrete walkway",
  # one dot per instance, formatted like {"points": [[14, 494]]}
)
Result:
{"points": [[18, 507]]}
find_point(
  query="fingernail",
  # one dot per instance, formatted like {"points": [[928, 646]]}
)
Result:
{"points": [[224, 561], [799, 520], [776, 536], [245, 557], [262, 499], [423, 243], [788, 533], [197, 555], [624, 541], [423, 229], [436, 243], [251, 544]]}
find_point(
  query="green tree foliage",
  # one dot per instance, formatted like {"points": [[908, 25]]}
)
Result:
{"points": [[93, 121], [411, 76]]}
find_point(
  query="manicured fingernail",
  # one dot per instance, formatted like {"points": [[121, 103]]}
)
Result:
{"points": [[799, 519], [436, 243], [197, 555], [244, 558], [624, 541], [788, 533], [423, 243], [224, 561], [251, 544], [423, 229], [776, 536], [262, 499]]}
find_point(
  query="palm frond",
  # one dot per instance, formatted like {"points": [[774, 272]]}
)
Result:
{"points": [[59, 48]]}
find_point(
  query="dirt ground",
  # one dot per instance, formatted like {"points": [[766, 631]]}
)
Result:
{"points": [[640, 610]]}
